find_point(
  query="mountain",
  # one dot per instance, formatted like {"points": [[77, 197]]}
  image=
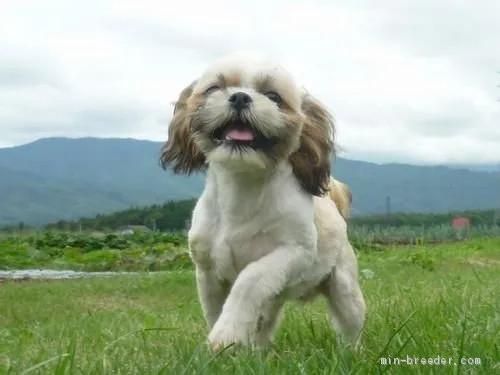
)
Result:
{"points": [[489, 167], [417, 188], [62, 178]]}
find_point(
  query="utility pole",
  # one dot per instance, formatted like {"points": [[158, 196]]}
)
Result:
{"points": [[388, 205]]}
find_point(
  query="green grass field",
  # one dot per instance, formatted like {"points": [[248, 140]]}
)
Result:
{"points": [[429, 301]]}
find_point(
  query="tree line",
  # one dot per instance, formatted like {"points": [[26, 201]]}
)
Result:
{"points": [[175, 215]]}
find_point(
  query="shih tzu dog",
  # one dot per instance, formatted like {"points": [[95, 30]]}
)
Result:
{"points": [[270, 224]]}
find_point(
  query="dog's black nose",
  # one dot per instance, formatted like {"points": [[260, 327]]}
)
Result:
{"points": [[240, 100]]}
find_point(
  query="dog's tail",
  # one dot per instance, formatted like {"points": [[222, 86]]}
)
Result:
{"points": [[341, 195]]}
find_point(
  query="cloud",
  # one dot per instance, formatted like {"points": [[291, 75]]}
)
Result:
{"points": [[407, 81], [25, 69]]}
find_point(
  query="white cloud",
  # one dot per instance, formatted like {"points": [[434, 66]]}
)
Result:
{"points": [[407, 81]]}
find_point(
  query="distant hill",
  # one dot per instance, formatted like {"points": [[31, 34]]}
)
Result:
{"points": [[62, 178], [36, 198], [490, 167]]}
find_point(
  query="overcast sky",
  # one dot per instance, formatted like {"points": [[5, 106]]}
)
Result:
{"points": [[407, 81]]}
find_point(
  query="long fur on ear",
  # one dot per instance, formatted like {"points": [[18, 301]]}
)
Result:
{"points": [[311, 162], [180, 151]]}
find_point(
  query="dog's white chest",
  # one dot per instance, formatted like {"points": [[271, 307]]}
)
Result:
{"points": [[235, 225], [231, 253], [229, 243]]}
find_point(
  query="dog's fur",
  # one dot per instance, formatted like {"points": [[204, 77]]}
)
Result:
{"points": [[270, 225], [340, 193]]}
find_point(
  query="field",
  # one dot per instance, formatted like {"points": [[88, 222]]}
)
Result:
{"points": [[165, 251], [94, 252], [424, 300]]}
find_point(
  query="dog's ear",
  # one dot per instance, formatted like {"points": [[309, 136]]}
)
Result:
{"points": [[312, 160], [180, 152]]}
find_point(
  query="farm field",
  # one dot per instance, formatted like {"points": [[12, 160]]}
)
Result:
{"points": [[162, 251], [94, 252], [424, 301]]}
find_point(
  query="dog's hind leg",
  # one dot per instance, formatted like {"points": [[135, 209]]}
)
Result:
{"points": [[345, 300], [269, 320], [212, 294]]}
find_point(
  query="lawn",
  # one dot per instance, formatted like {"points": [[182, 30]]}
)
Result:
{"points": [[423, 301]]}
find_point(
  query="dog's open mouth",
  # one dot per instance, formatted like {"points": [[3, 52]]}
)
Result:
{"points": [[241, 134]]}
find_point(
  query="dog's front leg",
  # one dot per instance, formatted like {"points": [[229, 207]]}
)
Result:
{"points": [[212, 294], [255, 293]]}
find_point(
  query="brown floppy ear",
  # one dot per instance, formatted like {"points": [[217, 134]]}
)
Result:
{"points": [[311, 162], [180, 151]]}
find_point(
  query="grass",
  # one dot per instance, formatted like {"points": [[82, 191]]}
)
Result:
{"points": [[426, 301]]}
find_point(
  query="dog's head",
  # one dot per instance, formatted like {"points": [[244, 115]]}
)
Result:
{"points": [[246, 112]]}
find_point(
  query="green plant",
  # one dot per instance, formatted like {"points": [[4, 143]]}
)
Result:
{"points": [[422, 259]]}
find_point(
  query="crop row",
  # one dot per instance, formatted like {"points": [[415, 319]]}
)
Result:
{"points": [[86, 242], [386, 235], [418, 234]]}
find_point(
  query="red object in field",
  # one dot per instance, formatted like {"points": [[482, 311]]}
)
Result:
{"points": [[460, 223]]}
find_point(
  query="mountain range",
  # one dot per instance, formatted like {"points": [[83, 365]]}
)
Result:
{"points": [[64, 178]]}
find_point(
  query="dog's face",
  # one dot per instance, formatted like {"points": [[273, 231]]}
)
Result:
{"points": [[246, 112]]}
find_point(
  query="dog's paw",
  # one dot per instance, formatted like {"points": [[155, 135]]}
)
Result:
{"points": [[224, 335]]}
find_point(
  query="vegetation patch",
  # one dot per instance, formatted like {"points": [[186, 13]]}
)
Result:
{"points": [[94, 252]]}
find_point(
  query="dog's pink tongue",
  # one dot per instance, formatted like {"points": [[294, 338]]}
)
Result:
{"points": [[240, 135]]}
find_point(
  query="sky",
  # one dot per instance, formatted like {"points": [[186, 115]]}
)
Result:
{"points": [[407, 81]]}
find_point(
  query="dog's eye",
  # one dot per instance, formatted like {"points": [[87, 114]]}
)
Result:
{"points": [[274, 96], [211, 89]]}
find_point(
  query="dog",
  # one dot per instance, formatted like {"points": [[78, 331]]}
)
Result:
{"points": [[270, 225]]}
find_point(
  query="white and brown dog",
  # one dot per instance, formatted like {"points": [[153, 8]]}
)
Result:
{"points": [[269, 225]]}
